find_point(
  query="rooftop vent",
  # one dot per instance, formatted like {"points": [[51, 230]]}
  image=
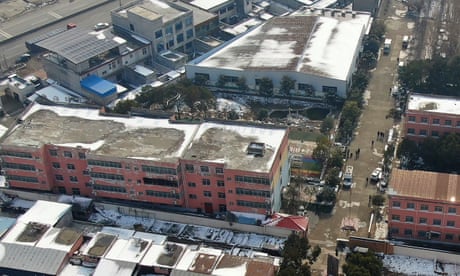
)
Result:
{"points": [[256, 149], [353, 14]]}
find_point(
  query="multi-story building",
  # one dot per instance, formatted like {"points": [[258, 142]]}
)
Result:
{"points": [[166, 25], [211, 167], [424, 206], [431, 116], [85, 61], [229, 11], [317, 49]]}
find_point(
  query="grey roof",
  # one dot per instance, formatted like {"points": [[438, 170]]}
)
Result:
{"points": [[199, 15], [29, 258], [78, 45]]}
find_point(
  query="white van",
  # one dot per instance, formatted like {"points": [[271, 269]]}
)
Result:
{"points": [[348, 177]]}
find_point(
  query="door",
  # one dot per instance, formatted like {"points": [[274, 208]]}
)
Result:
{"points": [[208, 208]]}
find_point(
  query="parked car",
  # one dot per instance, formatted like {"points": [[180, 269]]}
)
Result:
{"points": [[376, 175], [23, 58], [71, 26], [101, 26]]}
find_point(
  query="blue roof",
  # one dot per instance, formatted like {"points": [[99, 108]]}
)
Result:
{"points": [[6, 224], [98, 86]]}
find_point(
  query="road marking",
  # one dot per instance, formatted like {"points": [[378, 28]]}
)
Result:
{"points": [[57, 16], [346, 204], [5, 34]]}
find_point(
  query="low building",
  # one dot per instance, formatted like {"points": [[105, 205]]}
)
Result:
{"points": [[229, 11], [18, 88], [431, 116], [210, 167], [317, 49], [424, 206]]}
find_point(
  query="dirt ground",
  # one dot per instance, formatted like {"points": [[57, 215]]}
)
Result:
{"points": [[13, 8]]}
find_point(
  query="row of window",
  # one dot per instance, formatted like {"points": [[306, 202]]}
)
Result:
{"points": [[259, 205], [424, 132], [72, 178], [109, 176], [252, 180], [207, 182], [113, 189], [67, 154], [103, 163], [159, 170], [57, 165], [162, 194], [424, 120], [190, 168], [425, 234], [436, 222], [15, 166], [16, 154], [22, 178], [207, 194], [240, 191], [424, 207]]}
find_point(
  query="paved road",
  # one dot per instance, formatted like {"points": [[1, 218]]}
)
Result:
{"points": [[354, 203], [60, 14]]}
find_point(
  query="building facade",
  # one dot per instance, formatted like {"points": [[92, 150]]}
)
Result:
{"points": [[431, 116], [424, 206], [155, 161]]}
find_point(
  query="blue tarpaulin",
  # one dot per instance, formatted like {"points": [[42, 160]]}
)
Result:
{"points": [[98, 86]]}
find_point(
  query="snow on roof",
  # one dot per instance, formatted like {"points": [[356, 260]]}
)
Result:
{"points": [[208, 4], [314, 44], [52, 239], [407, 265], [131, 250], [228, 143], [45, 212], [435, 104], [83, 202], [154, 238], [109, 267], [76, 270]]}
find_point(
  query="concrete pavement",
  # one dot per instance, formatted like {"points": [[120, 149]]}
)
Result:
{"points": [[354, 203]]}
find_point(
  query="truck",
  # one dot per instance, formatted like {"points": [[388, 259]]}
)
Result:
{"points": [[387, 46], [347, 177], [405, 42]]}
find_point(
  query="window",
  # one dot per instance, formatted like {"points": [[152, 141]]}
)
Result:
{"points": [[221, 195], [260, 205], [207, 194], [204, 169], [160, 182], [422, 132], [448, 122], [394, 231], [438, 208], [112, 189], [396, 204], [71, 166], [421, 234], [189, 168], [73, 178], [188, 21], [458, 123], [424, 120], [452, 210], [330, 89], [424, 207], [16, 166], [178, 26], [61, 190], [410, 205], [409, 219], [144, 51], [435, 133], [171, 43], [408, 232], [252, 180], [450, 223], [189, 34], [219, 170], [395, 217], [160, 47], [422, 220], [53, 152], [158, 170], [75, 191], [169, 29], [449, 236], [68, 154], [435, 121], [192, 196], [411, 119], [59, 177], [191, 184], [56, 165], [180, 38], [108, 176], [103, 163], [82, 155], [159, 34], [410, 131], [206, 182], [248, 192], [22, 178], [220, 183], [436, 222], [131, 27]]}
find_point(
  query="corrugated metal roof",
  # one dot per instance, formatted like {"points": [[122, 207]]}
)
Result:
{"points": [[424, 184], [29, 258]]}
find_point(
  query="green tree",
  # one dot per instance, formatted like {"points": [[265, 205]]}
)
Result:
{"points": [[327, 125], [287, 84], [351, 112], [327, 195], [335, 159], [332, 177], [315, 252], [360, 80], [359, 264], [378, 200], [378, 30], [123, 107], [266, 87], [262, 114], [372, 46], [321, 152], [294, 252], [233, 115]]}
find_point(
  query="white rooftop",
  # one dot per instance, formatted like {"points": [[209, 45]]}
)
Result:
{"points": [[58, 94], [435, 104], [15, 232], [189, 258], [155, 251], [208, 4], [45, 212], [131, 250], [108, 267], [314, 44], [119, 232], [76, 270], [49, 239]]}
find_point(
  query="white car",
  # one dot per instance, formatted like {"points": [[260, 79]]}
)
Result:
{"points": [[376, 175], [101, 26]]}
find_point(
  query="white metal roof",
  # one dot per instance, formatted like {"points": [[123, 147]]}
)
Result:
{"points": [[131, 250], [109, 267], [45, 212], [208, 4], [435, 104]]}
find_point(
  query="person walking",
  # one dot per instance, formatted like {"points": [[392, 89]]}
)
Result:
{"points": [[372, 143]]}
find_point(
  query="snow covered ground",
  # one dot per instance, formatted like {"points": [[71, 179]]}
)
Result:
{"points": [[189, 232], [417, 266]]}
